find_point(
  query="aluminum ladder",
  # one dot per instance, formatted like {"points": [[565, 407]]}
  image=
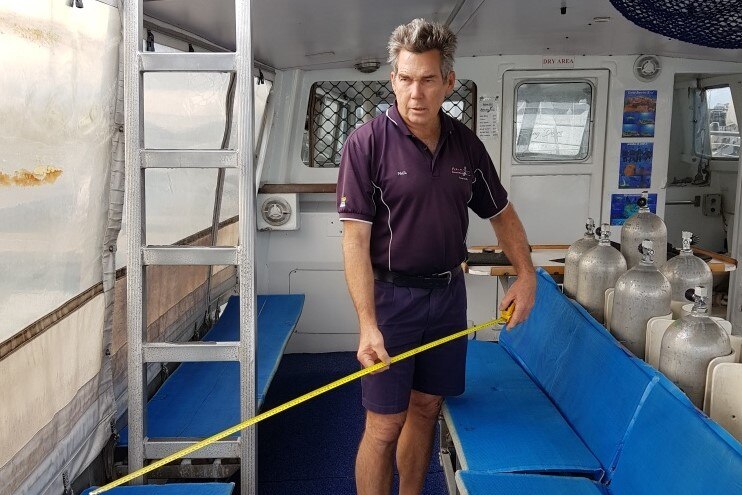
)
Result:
{"points": [[141, 255]]}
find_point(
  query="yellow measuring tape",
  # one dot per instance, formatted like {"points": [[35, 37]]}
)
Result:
{"points": [[504, 318]]}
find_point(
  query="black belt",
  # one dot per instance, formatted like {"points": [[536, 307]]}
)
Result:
{"points": [[434, 281]]}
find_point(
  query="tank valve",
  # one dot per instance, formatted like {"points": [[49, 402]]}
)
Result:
{"points": [[687, 240], [646, 248], [700, 294], [590, 226], [605, 233]]}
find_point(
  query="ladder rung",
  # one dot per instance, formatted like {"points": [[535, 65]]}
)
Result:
{"points": [[189, 256], [190, 352], [223, 449], [189, 159], [187, 62]]}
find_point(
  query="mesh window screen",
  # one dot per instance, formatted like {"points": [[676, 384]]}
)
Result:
{"points": [[336, 108]]}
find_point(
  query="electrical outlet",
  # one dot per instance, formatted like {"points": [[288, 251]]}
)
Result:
{"points": [[712, 205]]}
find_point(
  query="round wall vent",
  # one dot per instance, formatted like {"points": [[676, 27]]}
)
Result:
{"points": [[367, 65], [276, 211], [647, 68]]}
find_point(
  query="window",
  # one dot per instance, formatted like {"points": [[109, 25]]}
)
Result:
{"points": [[552, 121], [716, 129], [336, 108]]}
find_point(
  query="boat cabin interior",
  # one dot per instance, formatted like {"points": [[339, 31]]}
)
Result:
{"points": [[172, 254]]}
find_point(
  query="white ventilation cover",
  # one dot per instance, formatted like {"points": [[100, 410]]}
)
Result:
{"points": [[647, 68], [277, 212]]}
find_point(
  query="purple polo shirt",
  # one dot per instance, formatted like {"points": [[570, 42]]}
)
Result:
{"points": [[416, 200]]}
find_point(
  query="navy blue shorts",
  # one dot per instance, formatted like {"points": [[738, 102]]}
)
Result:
{"points": [[409, 317]]}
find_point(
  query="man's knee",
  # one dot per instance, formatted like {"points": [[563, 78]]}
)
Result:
{"points": [[384, 428], [425, 405]]}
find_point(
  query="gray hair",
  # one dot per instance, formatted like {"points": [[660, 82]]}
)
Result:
{"points": [[420, 36]]}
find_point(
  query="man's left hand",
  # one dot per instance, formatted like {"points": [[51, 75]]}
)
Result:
{"points": [[523, 294]]}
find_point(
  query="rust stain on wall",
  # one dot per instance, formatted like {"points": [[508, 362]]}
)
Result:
{"points": [[36, 35], [29, 178]]}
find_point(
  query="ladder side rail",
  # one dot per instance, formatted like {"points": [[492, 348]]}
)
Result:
{"points": [[136, 313], [248, 335]]}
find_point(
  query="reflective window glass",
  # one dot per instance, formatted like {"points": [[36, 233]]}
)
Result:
{"points": [[552, 121]]}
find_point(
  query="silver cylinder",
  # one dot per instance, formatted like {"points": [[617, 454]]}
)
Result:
{"points": [[685, 272], [598, 271], [574, 253], [643, 225], [689, 344], [640, 294]]}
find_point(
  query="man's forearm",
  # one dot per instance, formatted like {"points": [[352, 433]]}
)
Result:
{"points": [[360, 278], [512, 239]]}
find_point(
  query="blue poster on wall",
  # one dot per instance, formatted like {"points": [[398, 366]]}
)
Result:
{"points": [[623, 206], [635, 167], [639, 110]]}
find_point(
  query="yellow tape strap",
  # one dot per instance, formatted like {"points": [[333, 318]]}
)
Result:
{"points": [[294, 402]]}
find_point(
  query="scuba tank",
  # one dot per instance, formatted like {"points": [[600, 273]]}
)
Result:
{"points": [[643, 225], [598, 271], [685, 272], [574, 253], [689, 344], [640, 294]]}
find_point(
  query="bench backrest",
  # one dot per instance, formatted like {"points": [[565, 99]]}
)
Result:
{"points": [[671, 448], [594, 382]]}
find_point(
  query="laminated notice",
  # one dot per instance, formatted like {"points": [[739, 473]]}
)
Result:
{"points": [[487, 109]]}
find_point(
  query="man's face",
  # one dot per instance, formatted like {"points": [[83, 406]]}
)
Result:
{"points": [[419, 87]]}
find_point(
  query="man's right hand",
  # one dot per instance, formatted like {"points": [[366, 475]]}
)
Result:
{"points": [[371, 348]]}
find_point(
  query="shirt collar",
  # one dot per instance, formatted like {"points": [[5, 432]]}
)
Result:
{"points": [[392, 113]]}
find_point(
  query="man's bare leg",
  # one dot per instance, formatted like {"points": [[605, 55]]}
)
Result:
{"points": [[375, 460], [416, 442]]}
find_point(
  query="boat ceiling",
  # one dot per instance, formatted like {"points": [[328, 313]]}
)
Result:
{"points": [[312, 34]]}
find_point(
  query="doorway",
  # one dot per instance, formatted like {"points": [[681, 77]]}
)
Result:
{"points": [[553, 142]]}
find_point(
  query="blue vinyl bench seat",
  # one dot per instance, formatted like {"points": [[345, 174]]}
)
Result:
{"points": [[470, 483], [505, 423], [202, 398], [558, 406], [172, 489]]}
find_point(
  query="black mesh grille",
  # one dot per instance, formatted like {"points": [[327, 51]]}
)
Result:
{"points": [[336, 108]]}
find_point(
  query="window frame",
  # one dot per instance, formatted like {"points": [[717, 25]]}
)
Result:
{"points": [[591, 119], [697, 101], [314, 96]]}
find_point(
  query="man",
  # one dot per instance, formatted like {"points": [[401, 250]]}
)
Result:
{"points": [[406, 180]]}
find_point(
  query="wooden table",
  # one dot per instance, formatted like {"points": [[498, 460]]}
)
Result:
{"points": [[543, 256]]}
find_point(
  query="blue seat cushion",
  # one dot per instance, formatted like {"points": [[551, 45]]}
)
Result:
{"points": [[171, 489], [505, 423], [672, 448], [200, 399], [277, 317], [595, 382], [471, 483], [489, 366]]}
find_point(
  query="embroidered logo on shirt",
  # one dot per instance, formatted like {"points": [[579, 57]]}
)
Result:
{"points": [[462, 172], [342, 202], [402, 172]]}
